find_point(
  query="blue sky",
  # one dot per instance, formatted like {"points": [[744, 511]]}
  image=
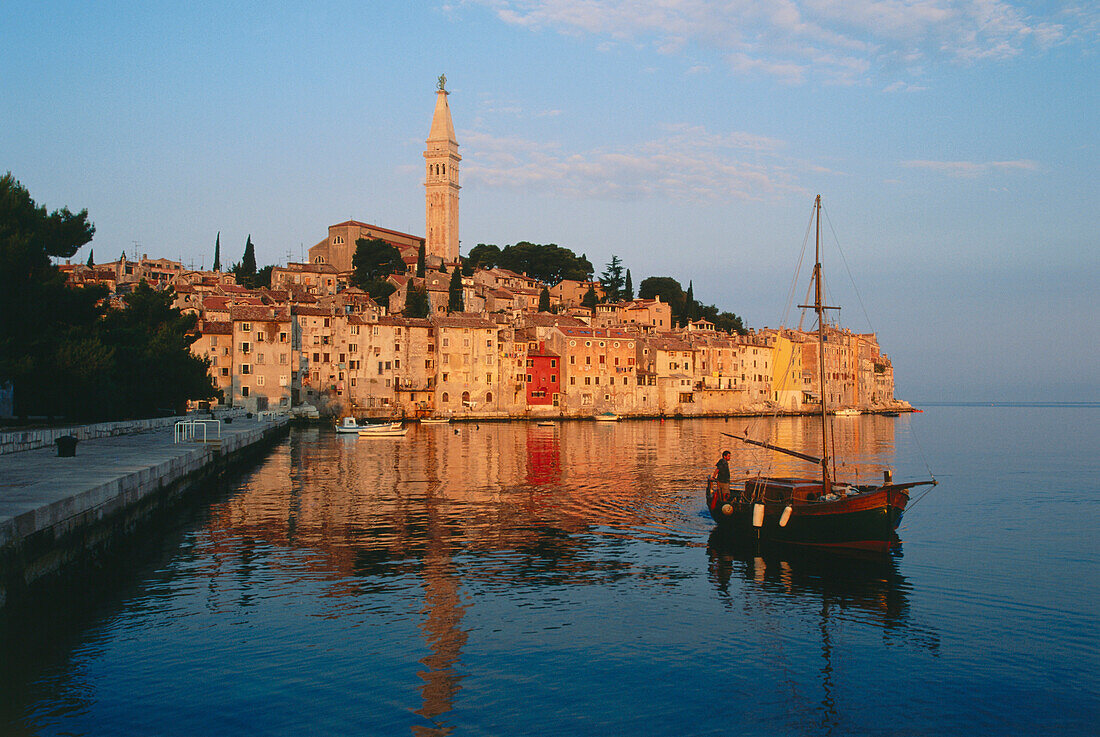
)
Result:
{"points": [[954, 143]]}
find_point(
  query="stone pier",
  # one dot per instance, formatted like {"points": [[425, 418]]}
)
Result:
{"points": [[62, 513]]}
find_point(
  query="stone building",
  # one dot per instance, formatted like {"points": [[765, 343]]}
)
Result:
{"points": [[441, 182]]}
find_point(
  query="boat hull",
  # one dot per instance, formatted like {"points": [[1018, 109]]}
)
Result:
{"points": [[864, 521]]}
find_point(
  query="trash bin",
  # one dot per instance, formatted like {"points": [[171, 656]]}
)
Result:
{"points": [[66, 446]]}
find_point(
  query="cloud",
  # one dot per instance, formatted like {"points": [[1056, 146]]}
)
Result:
{"points": [[685, 162], [840, 41], [972, 169]]}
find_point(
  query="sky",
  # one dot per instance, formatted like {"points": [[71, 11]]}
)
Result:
{"points": [[954, 143]]}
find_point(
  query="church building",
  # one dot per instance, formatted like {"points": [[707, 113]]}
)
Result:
{"points": [[441, 204]]}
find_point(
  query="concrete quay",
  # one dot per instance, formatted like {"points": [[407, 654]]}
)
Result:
{"points": [[61, 513]]}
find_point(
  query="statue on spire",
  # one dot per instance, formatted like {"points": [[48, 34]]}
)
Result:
{"points": [[442, 83]]}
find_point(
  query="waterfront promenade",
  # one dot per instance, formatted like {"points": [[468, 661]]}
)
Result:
{"points": [[56, 511]]}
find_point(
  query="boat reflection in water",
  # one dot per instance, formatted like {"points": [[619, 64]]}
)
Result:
{"points": [[786, 584]]}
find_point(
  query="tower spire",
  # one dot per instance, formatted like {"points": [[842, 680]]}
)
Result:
{"points": [[441, 184]]}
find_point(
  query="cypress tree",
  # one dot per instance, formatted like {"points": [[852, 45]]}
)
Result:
{"points": [[91, 258], [628, 290], [689, 311], [454, 297], [421, 262], [544, 300], [218, 252], [248, 262]]}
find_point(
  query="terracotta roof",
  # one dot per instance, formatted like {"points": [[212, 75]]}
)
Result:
{"points": [[461, 320], [310, 311], [258, 314], [375, 227], [216, 327]]}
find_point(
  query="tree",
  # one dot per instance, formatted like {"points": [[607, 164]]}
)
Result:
{"points": [[63, 351], [91, 258], [690, 305], [481, 256], [374, 260], [218, 252], [548, 263], [154, 371], [628, 290], [454, 295], [262, 278], [612, 279], [669, 290], [416, 301], [245, 270], [589, 300], [421, 262], [40, 313], [544, 300]]}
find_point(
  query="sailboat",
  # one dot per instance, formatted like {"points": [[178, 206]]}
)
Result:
{"points": [[820, 511]]}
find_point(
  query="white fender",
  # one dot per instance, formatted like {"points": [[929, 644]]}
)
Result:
{"points": [[757, 515], [786, 516]]}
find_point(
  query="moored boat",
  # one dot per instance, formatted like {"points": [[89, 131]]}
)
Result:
{"points": [[389, 430], [607, 417], [847, 413], [434, 420], [348, 424], [817, 511]]}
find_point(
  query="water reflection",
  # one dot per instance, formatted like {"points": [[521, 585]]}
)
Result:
{"points": [[832, 589], [508, 512]]}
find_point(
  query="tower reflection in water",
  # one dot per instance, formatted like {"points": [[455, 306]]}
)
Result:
{"points": [[512, 505]]}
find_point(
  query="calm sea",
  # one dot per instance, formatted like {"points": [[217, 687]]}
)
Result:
{"points": [[512, 579]]}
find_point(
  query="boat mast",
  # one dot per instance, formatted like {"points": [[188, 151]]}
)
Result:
{"points": [[819, 308]]}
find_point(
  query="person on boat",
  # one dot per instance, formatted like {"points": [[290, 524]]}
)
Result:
{"points": [[721, 477]]}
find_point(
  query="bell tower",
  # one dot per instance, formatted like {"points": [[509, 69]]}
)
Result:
{"points": [[441, 185]]}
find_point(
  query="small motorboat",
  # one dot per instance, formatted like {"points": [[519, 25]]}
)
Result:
{"points": [[607, 417], [434, 420], [388, 430], [847, 413], [348, 424]]}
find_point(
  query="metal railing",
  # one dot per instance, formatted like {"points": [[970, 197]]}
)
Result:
{"points": [[189, 430]]}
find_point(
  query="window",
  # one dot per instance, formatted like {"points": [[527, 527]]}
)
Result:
{"points": [[246, 327], [529, 379], [388, 365], [245, 348], [488, 378], [244, 391], [225, 372], [445, 397], [259, 336], [553, 363], [445, 375], [587, 380], [572, 360], [245, 368], [259, 358], [260, 380], [588, 360], [488, 396], [327, 322], [530, 362], [572, 381], [326, 357], [603, 359], [353, 347]]}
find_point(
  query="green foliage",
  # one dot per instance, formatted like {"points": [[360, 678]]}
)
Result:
{"points": [[245, 271], [669, 290], [218, 252], [91, 258], [481, 256], [544, 300], [612, 280], [548, 263], [374, 260], [628, 289], [379, 290], [421, 262], [66, 355], [262, 278], [153, 371], [416, 302], [454, 293], [589, 300]]}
